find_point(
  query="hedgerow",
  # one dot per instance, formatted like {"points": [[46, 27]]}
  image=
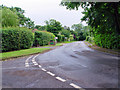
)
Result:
{"points": [[42, 38], [16, 38]]}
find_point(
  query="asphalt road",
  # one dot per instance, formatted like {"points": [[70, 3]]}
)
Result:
{"points": [[72, 65]]}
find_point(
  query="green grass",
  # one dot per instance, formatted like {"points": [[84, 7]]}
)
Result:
{"points": [[68, 41], [58, 44], [24, 52]]}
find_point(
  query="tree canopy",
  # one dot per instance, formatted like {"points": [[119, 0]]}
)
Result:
{"points": [[103, 18], [53, 26], [9, 18], [23, 21]]}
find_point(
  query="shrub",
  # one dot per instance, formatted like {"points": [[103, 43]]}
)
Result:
{"points": [[60, 38], [90, 39], [71, 38], [15, 38], [42, 38], [110, 41]]}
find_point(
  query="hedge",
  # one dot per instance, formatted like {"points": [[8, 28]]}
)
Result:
{"points": [[90, 39], [42, 38], [16, 38], [110, 41]]}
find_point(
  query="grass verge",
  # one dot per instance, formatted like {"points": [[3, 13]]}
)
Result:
{"points": [[110, 51], [24, 52], [58, 44]]}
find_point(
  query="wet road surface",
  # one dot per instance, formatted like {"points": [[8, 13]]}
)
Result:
{"points": [[73, 65]]}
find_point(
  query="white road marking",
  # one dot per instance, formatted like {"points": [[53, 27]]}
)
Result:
{"points": [[83, 65], [33, 60], [63, 80], [26, 62], [51, 74], [74, 85], [35, 63], [40, 66], [44, 69]]}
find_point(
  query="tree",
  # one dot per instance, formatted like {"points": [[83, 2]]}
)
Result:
{"points": [[37, 26], [53, 26], [103, 18], [23, 21], [9, 18]]}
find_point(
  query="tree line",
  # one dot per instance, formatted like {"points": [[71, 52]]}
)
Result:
{"points": [[103, 19]]}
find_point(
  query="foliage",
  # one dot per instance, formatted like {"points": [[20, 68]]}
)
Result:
{"points": [[42, 38], [75, 34], [53, 26], [9, 18], [66, 33], [90, 39], [104, 19], [16, 38], [71, 38], [60, 38], [41, 28], [23, 21], [81, 31]]}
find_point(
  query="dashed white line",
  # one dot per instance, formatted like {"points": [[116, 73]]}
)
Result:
{"points": [[74, 85], [44, 69], [40, 66], [35, 63], [26, 62], [51, 74], [63, 80]]}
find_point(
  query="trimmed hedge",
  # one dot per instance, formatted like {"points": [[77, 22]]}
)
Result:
{"points": [[42, 38], [16, 38]]}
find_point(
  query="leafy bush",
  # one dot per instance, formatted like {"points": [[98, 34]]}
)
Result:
{"points": [[42, 38], [110, 41], [60, 38], [15, 38], [71, 38], [90, 39]]}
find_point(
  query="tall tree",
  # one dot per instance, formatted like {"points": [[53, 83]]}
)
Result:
{"points": [[9, 18], [53, 26], [23, 21]]}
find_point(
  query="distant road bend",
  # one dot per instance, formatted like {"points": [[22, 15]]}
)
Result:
{"points": [[72, 65]]}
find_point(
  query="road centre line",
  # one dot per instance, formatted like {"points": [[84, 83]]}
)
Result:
{"points": [[43, 69], [74, 85], [40, 66], [60, 79], [51, 74]]}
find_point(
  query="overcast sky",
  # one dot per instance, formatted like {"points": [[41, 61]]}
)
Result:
{"points": [[41, 10]]}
